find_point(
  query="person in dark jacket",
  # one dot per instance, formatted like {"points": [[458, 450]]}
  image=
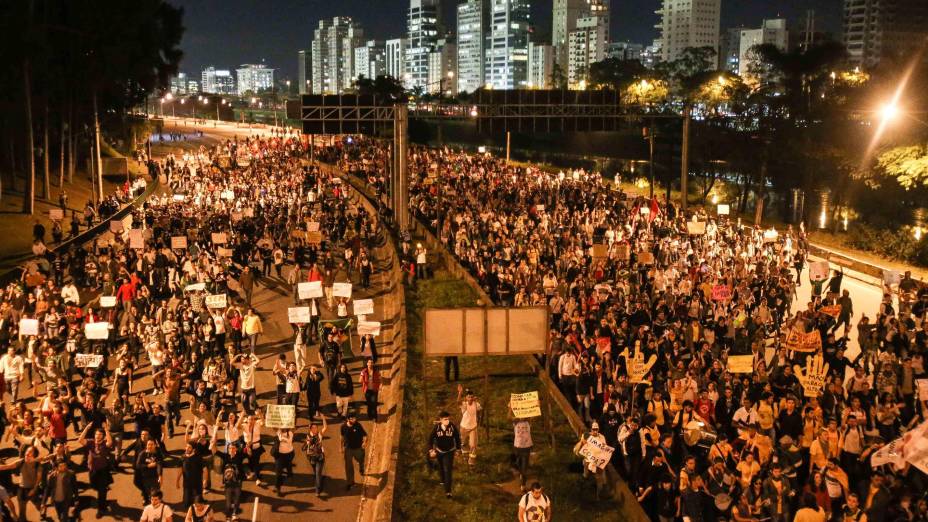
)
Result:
{"points": [[444, 442], [61, 490], [343, 389]]}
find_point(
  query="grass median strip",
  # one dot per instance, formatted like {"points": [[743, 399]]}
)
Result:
{"points": [[490, 489]]}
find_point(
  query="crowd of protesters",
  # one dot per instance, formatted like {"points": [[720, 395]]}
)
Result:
{"points": [[231, 217], [630, 279]]}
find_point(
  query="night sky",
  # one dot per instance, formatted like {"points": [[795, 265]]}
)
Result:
{"points": [[226, 33]]}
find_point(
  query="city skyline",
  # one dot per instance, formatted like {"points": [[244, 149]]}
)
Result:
{"points": [[218, 35]]}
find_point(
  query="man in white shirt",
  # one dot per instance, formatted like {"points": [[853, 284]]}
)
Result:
{"points": [[11, 365], [535, 506], [157, 511], [745, 415], [70, 295], [470, 411], [567, 371], [246, 380]]}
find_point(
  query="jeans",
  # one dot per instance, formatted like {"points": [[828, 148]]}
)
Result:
{"points": [[192, 488], [522, 457], [13, 386], [61, 509], [318, 465], [370, 397], [252, 341], [250, 400], [284, 461], [355, 454], [446, 465], [341, 404], [233, 497], [173, 408], [313, 400]]}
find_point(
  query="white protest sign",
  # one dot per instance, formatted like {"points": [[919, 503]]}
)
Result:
{"points": [[219, 238], [28, 327], [236, 216], [596, 453], [56, 214], [224, 252], [281, 416], [107, 301], [695, 228], [97, 330], [178, 242], [891, 277], [525, 405], [312, 226], [310, 290], [368, 328], [341, 289], [115, 226], [298, 314], [723, 209], [363, 306], [818, 270], [136, 239], [227, 194], [195, 287], [86, 360], [216, 301]]}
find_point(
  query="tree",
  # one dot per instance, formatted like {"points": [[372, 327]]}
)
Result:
{"points": [[908, 165], [386, 88], [558, 78], [616, 74]]}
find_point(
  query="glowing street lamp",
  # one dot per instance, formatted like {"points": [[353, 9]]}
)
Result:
{"points": [[889, 112]]}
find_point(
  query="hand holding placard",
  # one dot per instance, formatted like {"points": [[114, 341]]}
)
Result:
{"points": [[636, 366], [812, 378]]}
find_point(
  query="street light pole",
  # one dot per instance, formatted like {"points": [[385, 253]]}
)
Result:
{"points": [[651, 157], [685, 157]]}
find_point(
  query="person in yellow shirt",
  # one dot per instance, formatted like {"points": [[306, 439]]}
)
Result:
{"points": [[251, 327], [810, 511], [819, 452], [767, 411], [748, 468], [657, 406]]}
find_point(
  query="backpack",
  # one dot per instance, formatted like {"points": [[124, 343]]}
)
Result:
{"points": [[230, 475]]}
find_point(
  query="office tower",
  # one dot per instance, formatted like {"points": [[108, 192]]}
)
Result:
{"points": [[217, 81], [473, 28], [305, 71], [422, 28], [624, 50], [396, 58], [254, 78], [443, 68], [688, 23], [370, 60], [333, 47], [730, 49], [179, 83], [564, 20], [507, 51], [876, 29], [772, 32], [586, 45], [540, 65], [651, 55]]}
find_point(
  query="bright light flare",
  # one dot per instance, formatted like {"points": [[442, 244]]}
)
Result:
{"points": [[889, 112]]}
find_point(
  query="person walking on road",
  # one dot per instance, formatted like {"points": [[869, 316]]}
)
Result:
{"points": [[252, 328], [233, 472], [444, 442], [61, 490], [247, 282], [283, 458], [354, 440], [535, 505], [99, 458], [313, 388], [315, 452], [157, 511], [343, 388], [370, 386]]}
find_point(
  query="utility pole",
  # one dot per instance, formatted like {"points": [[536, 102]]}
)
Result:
{"points": [[96, 125], [649, 130], [508, 136], [685, 157], [400, 181]]}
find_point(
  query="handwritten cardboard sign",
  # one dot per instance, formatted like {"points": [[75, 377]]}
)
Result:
{"points": [[525, 405], [721, 293], [341, 289], [310, 290], [179, 243], [741, 364], [813, 377], [115, 226], [596, 453], [314, 237], [696, 228], [645, 258], [219, 238], [28, 327], [280, 416], [833, 310], [224, 252], [298, 314], [86, 360], [722, 209], [818, 270], [107, 301], [136, 238], [195, 287], [368, 328], [363, 306], [216, 301], [97, 330]]}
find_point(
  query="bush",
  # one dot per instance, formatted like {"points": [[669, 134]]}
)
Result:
{"points": [[898, 245]]}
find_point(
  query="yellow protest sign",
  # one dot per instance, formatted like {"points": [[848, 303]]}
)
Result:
{"points": [[741, 363], [636, 366], [525, 405], [813, 377]]}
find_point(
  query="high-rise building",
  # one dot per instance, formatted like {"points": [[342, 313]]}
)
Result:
{"points": [[422, 29], [305, 71], [370, 60], [217, 81], [192, 86], [772, 32], [651, 55], [540, 65], [254, 78], [443, 68], [586, 45], [507, 51], [334, 42], [179, 83], [473, 27], [875, 29], [624, 50], [688, 23], [566, 13], [730, 49], [396, 58]]}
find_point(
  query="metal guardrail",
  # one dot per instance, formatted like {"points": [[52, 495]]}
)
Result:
{"points": [[15, 273]]}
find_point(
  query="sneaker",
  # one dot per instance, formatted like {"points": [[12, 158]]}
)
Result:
{"points": [[259, 483]]}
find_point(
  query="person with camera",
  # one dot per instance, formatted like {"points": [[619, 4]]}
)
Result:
{"points": [[444, 442], [315, 452]]}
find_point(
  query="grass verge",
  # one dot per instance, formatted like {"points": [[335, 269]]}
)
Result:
{"points": [[490, 490]]}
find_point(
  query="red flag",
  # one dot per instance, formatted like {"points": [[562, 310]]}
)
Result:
{"points": [[655, 209]]}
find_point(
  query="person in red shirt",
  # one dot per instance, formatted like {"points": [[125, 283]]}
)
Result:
{"points": [[57, 420], [370, 386], [126, 294]]}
